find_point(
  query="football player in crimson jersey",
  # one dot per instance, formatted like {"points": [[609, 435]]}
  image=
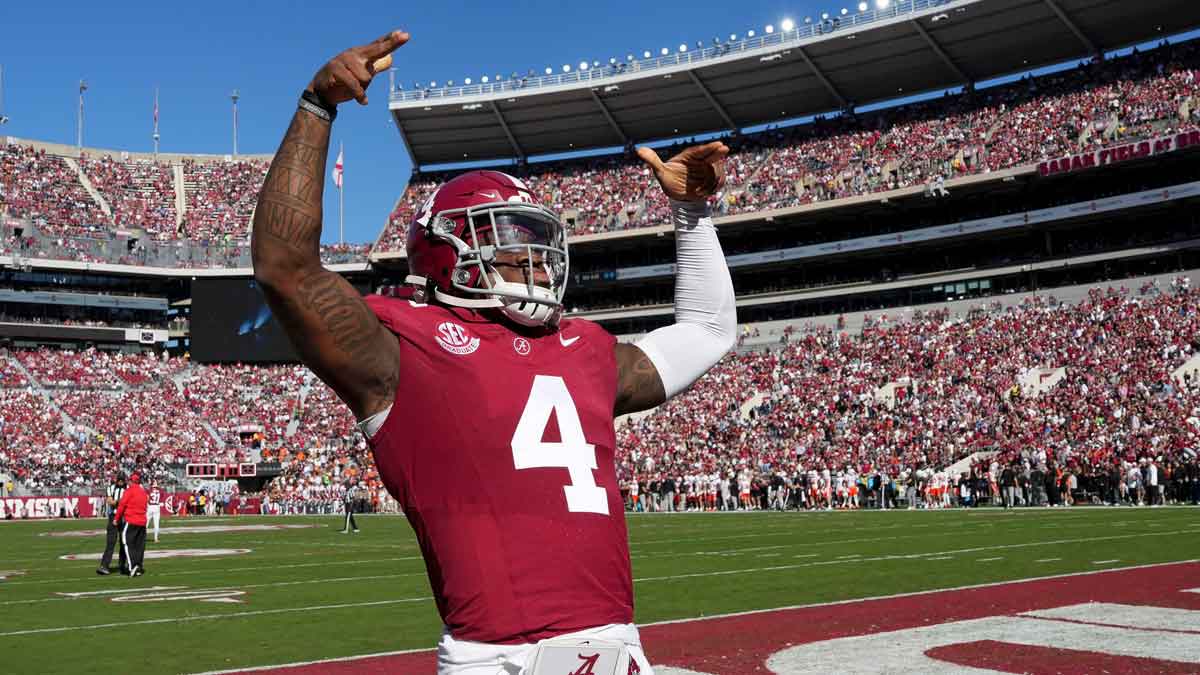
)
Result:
{"points": [[489, 415]]}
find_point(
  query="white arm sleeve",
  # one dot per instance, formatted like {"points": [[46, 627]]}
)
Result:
{"points": [[705, 325]]}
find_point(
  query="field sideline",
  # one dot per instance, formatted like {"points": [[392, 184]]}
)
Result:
{"points": [[307, 593]]}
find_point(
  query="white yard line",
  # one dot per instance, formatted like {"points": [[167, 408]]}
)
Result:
{"points": [[229, 569], [270, 584], [911, 556], [205, 617]]}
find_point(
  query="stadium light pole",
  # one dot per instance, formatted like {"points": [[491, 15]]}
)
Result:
{"points": [[79, 130], [234, 97]]}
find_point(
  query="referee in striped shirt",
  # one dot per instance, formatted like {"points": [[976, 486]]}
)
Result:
{"points": [[348, 500], [116, 490]]}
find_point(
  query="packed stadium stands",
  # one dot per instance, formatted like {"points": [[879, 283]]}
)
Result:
{"points": [[760, 418], [45, 188], [819, 406], [811, 404], [141, 194], [1095, 104]]}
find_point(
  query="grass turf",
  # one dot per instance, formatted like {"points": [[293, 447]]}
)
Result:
{"points": [[313, 593]]}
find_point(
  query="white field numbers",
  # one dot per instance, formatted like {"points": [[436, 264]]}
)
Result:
{"points": [[573, 453]]}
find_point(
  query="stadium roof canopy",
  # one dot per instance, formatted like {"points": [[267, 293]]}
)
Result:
{"points": [[910, 47]]}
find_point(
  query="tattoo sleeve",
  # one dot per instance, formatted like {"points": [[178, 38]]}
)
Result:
{"points": [[333, 329], [287, 222]]}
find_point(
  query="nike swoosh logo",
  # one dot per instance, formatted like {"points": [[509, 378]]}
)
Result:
{"points": [[567, 342], [489, 194]]}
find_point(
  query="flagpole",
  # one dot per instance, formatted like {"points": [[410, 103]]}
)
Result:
{"points": [[156, 123], [341, 204]]}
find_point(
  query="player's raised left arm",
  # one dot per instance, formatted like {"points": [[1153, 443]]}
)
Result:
{"points": [[668, 360]]}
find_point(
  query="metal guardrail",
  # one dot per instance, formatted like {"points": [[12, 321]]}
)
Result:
{"points": [[597, 72]]}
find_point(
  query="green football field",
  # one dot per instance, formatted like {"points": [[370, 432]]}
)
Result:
{"points": [[308, 592]]}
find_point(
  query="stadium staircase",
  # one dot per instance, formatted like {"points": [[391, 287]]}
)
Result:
{"points": [[1190, 367], [887, 393], [751, 403], [212, 431], [294, 424], [179, 379], [87, 185], [1037, 381], [964, 465], [180, 194]]}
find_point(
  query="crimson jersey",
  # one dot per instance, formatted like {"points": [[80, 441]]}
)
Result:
{"points": [[500, 448], [155, 496]]}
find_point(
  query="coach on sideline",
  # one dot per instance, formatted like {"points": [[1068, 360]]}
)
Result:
{"points": [[132, 510], [115, 491]]}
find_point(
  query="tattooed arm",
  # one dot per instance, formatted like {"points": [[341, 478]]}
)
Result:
{"points": [[334, 331]]}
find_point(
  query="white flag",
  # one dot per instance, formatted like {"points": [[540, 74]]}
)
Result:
{"points": [[337, 170]]}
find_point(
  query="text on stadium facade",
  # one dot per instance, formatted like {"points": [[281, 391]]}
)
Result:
{"points": [[1120, 153]]}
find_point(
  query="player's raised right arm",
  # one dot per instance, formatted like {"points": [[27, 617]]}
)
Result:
{"points": [[334, 331]]}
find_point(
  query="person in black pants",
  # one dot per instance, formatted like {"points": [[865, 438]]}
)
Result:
{"points": [[131, 512], [113, 496], [348, 501]]}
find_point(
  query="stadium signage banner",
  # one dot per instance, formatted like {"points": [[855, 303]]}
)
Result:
{"points": [[18, 508], [1120, 153]]}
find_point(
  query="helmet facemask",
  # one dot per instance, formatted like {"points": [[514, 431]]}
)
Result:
{"points": [[509, 235]]}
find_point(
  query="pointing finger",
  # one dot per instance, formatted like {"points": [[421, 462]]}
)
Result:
{"points": [[385, 45]]}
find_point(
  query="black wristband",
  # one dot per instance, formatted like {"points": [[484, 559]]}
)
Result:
{"points": [[316, 100]]}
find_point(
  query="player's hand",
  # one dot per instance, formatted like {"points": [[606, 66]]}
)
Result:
{"points": [[693, 175], [348, 74]]}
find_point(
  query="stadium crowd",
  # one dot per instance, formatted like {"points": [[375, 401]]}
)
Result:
{"points": [[43, 188], [823, 425], [1097, 104], [808, 424], [141, 194], [220, 198]]}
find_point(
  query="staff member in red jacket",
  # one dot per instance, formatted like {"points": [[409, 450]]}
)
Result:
{"points": [[132, 509]]}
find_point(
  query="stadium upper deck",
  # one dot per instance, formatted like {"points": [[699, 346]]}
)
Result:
{"points": [[831, 63]]}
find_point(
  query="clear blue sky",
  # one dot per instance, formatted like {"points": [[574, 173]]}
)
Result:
{"points": [[196, 53]]}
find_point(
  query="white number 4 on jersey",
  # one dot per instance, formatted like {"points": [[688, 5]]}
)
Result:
{"points": [[550, 396]]}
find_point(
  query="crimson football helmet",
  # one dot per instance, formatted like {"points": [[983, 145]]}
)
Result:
{"points": [[454, 239]]}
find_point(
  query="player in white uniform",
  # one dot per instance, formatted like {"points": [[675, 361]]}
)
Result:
{"points": [[153, 508]]}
